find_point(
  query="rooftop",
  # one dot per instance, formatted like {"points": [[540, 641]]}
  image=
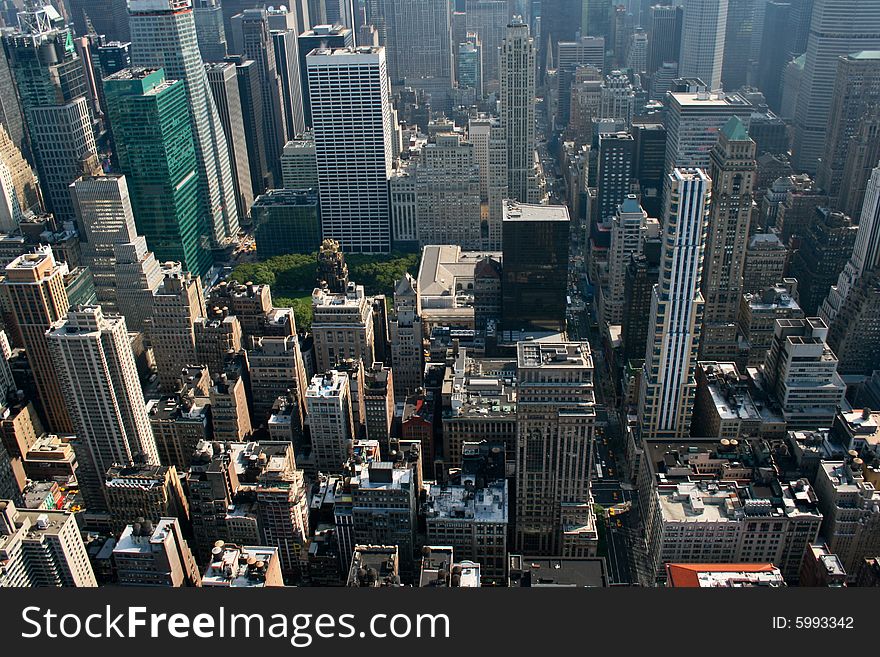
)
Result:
{"points": [[516, 211], [239, 567], [466, 502], [553, 354], [723, 575]]}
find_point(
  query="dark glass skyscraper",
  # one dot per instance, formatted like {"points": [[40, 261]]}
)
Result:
{"points": [[534, 267]]}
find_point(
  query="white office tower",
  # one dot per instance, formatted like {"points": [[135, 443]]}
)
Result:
{"points": [[10, 209], [666, 398], [163, 35], [418, 38], [517, 74], [838, 28], [42, 548], [866, 252], [106, 219], [328, 401], [353, 127], [498, 185], [555, 423], [702, 41], [406, 335], [628, 231], [97, 371], [478, 135]]}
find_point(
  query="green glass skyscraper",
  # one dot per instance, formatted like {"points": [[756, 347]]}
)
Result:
{"points": [[153, 134]]}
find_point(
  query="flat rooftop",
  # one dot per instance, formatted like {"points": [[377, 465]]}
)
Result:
{"points": [[553, 354]]}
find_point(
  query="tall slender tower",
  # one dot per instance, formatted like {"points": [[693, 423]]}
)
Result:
{"points": [[353, 125], [733, 169], [163, 35], [838, 28], [34, 285], [666, 398], [96, 367], [702, 40], [517, 73], [255, 43]]}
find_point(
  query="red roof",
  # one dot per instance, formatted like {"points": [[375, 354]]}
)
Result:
{"points": [[685, 575]]}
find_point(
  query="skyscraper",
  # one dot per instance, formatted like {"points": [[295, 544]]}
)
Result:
{"points": [[616, 158], [223, 78], [855, 343], [856, 94], [328, 400], [96, 367], [517, 80], [177, 304], [665, 36], [52, 88], [353, 126], [627, 235], [419, 45], [666, 397], [732, 171], [555, 422], [774, 54], [406, 334], [163, 35], [325, 37], [838, 28], [703, 32], [487, 18], [156, 150], [535, 267], [254, 42], [210, 31], [106, 219], [287, 65], [740, 26], [34, 286]]}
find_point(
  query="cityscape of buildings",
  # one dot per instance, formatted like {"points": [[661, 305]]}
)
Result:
{"points": [[636, 341]]}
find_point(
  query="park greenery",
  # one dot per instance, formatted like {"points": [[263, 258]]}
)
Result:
{"points": [[292, 277]]}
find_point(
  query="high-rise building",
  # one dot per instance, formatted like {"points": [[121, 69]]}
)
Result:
{"points": [[615, 172], [146, 555], [342, 327], [587, 51], [143, 490], [517, 91], [823, 254], [704, 27], [838, 28], [11, 117], [693, 122], [353, 124], [448, 193], [666, 397], [628, 230], [665, 24], [535, 267], [34, 287], [862, 156], [856, 94], [42, 547], [106, 219], [418, 40], [757, 319], [379, 404], [251, 97], [617, 98], [406, 336], [156, 151], [732, 173], [299, 168], [650, 158], [642, 272], [96, 367], [800, 373], [223, 78], [107, 18], [469, 63], [555, 420], [286, 221], [254, 42], [774, 54], [328, 400], [276, 370], [210, 31], [322, 37], [283, 506], [849, 503], [487, 19], [287, 65], [51, 84], [851, 332], [742, 17], [176, 306], [163, 35]]}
